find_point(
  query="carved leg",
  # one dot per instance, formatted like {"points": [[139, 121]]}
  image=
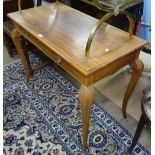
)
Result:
{"points": [[137, 68], [24, 55], [137, 134], [86, 96]]}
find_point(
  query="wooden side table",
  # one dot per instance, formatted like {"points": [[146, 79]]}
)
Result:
{"points": [[61, 33]]}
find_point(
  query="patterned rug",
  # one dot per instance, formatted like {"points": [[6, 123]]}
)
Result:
{"points": [[43, 117]]}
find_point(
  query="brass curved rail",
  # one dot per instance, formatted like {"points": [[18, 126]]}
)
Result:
{"points": [[111, 12], [93, 32], [99, 23], [19, 5]]}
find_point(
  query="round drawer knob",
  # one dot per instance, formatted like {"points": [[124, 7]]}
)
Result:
{"points": [[58, 59]]}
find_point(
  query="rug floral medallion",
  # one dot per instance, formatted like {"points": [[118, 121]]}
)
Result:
{"points": [[43, 117]]}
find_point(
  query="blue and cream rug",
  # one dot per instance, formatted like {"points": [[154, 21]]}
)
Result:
{"points": [[43, 117]]}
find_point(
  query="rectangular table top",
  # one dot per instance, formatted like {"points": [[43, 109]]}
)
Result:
{"points": [[65, 31]]}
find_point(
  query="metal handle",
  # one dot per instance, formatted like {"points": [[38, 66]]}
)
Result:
{"points": [[58, 60]]}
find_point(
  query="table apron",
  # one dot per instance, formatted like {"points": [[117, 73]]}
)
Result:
{"points": [[115, 66]]}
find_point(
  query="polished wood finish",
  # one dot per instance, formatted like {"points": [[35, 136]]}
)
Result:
{"points": [[24, 55], [61, 33], [65, 31], [86, 96], [137, 68]]}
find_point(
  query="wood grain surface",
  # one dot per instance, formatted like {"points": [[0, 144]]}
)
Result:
{"points": [[65, 31]]}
